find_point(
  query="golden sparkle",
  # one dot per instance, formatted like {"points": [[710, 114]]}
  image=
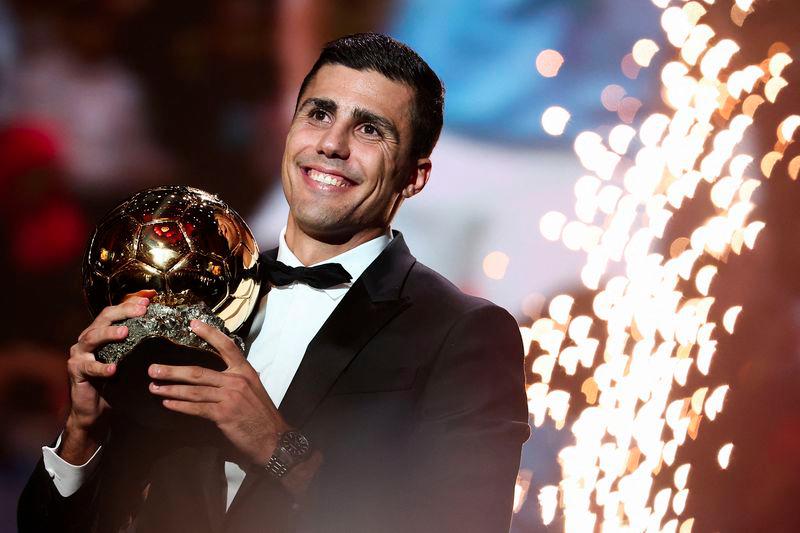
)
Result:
{"points": [[638, 405], [724, 455]]}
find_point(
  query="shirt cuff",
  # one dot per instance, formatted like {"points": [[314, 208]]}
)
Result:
{"points": [[67, 477]]}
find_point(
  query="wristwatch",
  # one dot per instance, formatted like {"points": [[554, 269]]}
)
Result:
{"points": [[293, 448]]}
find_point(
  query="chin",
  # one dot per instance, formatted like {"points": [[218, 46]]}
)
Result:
{"points": [[317, 225]]}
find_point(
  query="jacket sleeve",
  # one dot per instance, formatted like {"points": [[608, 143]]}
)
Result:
{"points": [[67, 477], [472, 422], [42, 508], [104, 501]]}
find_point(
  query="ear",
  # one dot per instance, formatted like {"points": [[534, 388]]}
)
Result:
{"points": [[418, 178]]}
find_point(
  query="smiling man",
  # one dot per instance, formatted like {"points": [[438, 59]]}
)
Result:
{"points": [[349, 159], [374, 396]]}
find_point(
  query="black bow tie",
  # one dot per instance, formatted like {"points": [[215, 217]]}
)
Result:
{"points": [[320, 276]]}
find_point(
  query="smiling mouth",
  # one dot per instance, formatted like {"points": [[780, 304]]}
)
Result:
{"points": [[327, 179]]}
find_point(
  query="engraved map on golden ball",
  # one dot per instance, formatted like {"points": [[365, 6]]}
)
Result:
{"points": [[184, 243]]}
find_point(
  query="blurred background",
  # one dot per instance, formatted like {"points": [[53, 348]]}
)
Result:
{"points": [[101, 98]]}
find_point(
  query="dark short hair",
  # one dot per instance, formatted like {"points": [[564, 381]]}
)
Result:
{"points": [[398, 62]]}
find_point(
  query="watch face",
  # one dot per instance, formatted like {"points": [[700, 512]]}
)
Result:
{"points": [[295, 443]]}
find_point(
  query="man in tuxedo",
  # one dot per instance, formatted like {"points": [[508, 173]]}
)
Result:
{"points": [[374, 395]]}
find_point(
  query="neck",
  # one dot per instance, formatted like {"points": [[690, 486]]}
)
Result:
{"points": [[311, 250]]}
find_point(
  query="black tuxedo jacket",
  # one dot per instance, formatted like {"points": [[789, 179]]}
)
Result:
{"points": [[412, 391]]}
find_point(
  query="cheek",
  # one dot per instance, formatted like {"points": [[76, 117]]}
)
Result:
{"points": [[384, 166], [300, 138]]}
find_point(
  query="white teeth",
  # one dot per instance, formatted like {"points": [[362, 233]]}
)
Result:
{"points": [[327, 179]]}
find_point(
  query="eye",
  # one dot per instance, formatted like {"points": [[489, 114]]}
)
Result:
{"points": [[371, 130], [318, 114]]}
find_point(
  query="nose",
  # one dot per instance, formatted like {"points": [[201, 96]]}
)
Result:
{"points": [[334, 143]]}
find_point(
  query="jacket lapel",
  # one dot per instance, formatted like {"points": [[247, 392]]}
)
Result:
{"points": [[372, 301]]}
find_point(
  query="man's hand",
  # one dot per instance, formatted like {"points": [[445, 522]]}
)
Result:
{"points": [[86, 421], [235, 399]]}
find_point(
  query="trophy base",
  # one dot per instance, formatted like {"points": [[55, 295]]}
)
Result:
{"points": [[166, 321], [162, 335], [128, 394]]}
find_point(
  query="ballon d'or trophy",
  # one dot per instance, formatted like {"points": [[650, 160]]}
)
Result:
{"points": [[199, 258]]}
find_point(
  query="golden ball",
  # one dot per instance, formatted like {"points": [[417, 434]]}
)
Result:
{"points": [[186, 244]]}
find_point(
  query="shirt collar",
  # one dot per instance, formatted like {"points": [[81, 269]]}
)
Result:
{"points": [[355, 261]]}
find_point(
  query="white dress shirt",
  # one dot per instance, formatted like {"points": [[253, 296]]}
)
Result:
{"points": [[285, 322]]}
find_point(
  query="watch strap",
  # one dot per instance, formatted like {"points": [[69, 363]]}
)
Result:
{"points": [[276, 467], [287, 454]]}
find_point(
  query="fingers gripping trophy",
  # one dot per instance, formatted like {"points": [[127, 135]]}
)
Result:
{"points": [[160, 259]]}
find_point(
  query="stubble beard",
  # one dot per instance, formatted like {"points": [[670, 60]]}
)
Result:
{"points": [[321, 224]]}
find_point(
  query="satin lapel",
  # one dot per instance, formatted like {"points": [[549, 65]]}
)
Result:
{"points": [[244, 329], [372, 301], [352, 324], [326, 357], [244, 332]]}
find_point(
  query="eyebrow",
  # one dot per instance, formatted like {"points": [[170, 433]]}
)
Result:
{"points": [[359, 114], [363, 115], [322, 103]]}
